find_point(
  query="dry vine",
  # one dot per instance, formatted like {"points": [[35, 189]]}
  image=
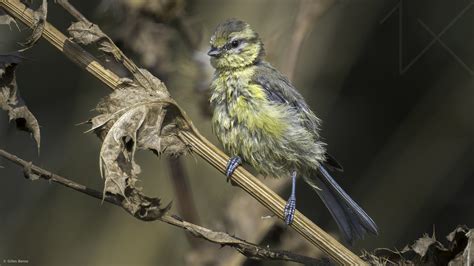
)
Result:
{"points": [[149, 209], [140, 114]]}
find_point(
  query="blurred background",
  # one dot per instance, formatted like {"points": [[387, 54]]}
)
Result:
{"points": [[392, 81]]}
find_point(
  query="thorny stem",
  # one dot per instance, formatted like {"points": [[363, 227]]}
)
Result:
{"points": [[247, 249], [199, 144]]}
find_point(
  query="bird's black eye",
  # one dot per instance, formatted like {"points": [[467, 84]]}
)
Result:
{"points": [[235, 43]]}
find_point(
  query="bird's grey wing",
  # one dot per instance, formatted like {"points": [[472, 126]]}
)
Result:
{"points": [[280, 90]]}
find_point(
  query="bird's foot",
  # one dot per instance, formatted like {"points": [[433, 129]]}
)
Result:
{"points": [[290, 208], [233, 163]]}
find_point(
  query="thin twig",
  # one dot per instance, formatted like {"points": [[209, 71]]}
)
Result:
{"points": [[72, 10], [246, 248], [198, 143]]}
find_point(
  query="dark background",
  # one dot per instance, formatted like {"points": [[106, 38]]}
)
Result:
{"points": [[396, 104]]}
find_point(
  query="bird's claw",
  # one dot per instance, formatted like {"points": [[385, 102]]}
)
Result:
{"points": [[290, 208], [233, 163]]}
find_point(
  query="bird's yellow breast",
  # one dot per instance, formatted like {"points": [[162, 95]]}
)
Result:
{"points": [[245, 103], [245, 121]]}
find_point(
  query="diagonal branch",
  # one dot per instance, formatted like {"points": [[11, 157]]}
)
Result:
{"points": [[197, 142], [149, 213], [120, 56], [72, 10]]}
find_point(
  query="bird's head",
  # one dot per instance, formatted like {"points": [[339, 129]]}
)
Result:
{"points": [[234, 45]]}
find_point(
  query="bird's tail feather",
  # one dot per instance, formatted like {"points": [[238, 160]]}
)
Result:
{"points": [[351, 219]]}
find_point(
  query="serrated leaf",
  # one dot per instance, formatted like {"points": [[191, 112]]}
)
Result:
{"points": [[11, 101], [118, 151], [134, 118], [38, 25], [429, 251], [87, 33]]}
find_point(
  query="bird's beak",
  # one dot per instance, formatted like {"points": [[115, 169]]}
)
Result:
{"points": [[214, 52]]}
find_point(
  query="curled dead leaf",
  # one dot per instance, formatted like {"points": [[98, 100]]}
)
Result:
{"points": [[87, 33], [11, 101], [134, 118], [428, 251]]}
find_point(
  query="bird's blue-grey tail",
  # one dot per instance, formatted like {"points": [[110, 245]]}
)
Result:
{"points": [[351, 219]]}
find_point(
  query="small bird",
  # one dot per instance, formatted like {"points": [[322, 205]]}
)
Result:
{"points": [[260, 118]]}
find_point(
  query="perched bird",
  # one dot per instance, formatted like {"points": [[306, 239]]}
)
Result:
{"points": [[261, 119]]}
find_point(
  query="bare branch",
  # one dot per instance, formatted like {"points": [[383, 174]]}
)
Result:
{"points": [[149, 213], [108, 45], [72, 10]]}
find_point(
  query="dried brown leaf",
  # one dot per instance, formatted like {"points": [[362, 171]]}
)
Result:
{"points": [[40, 21], [85, 33], [428, 251], [109, 48], [118, 151], [11, 101], [422, 245], [150, 82], [134, 118]]}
